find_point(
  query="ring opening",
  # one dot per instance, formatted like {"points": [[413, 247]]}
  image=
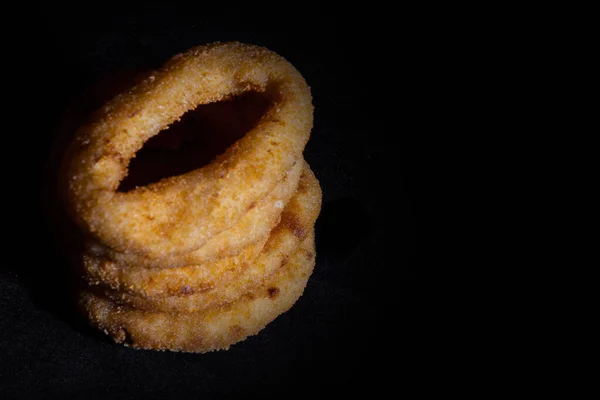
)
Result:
{"points": [[196, 139]]}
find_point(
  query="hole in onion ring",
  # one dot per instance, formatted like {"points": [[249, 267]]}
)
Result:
{"points": [[195, 140]]}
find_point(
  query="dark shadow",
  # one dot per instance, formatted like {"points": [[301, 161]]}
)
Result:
{"points": [[342, 225], [51, 283], [40, 266], [343, 231]]}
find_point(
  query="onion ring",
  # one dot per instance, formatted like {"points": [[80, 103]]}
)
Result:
{"points": [[163, 282], [157, 220], [252, 228], [195, 288], [214, 329]]}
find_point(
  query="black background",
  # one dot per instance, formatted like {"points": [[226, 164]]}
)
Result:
{"points": [[353, 328]]}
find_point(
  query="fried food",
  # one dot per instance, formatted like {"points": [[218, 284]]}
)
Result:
{"points": [[214, 329], [179, 214], [201, 287], [252, 230], [197, 254]]}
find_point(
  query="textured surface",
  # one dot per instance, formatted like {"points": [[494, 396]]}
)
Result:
{"points": [[197, 288], [214, 329], [363, 233], [244, 92], [157, 219], [253, 227]]}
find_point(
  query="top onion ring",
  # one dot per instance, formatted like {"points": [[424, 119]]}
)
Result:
{"points": [[178, 214]]}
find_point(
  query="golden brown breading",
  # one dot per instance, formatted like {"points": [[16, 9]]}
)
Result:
{"points": [[201, 287], [157, 220], [189, 261], [252, 230], [204, 331]]}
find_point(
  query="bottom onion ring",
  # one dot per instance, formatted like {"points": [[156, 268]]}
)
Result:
{"points": [[214, 329], [201, 287]]}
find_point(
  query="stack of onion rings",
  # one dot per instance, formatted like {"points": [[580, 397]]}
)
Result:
{"points": [[197, 261]]}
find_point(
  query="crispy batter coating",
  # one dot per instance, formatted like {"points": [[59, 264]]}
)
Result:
{"points": [[209, 330], [189, 261], [201, 287], [252, 230], [157, 220]]}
